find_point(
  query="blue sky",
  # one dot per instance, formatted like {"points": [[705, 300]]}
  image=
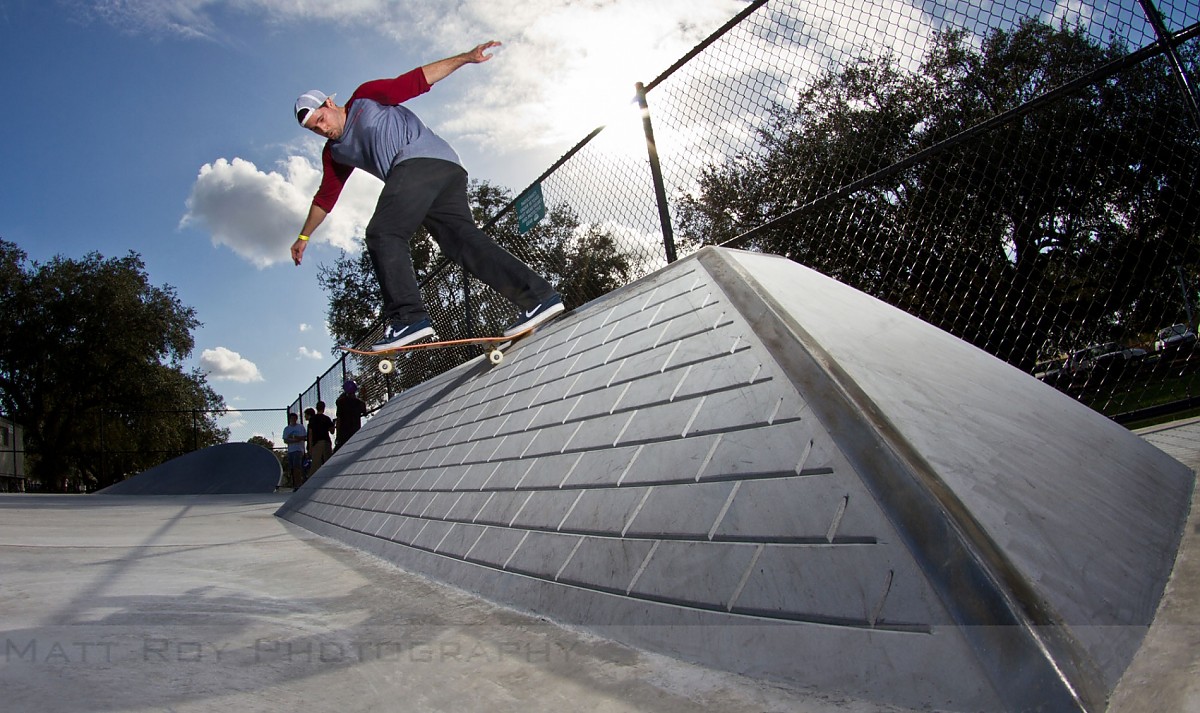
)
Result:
{"points": [[165, 127]]}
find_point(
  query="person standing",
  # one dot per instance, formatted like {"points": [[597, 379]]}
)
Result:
{"points": [[320, 448], [295, 436], [424, 185], [350, 412]]}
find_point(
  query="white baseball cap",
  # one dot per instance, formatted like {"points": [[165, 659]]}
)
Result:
{"points": [[309, 102]]}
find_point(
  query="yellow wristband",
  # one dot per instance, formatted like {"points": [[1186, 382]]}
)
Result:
{"points": [[304, 238]]}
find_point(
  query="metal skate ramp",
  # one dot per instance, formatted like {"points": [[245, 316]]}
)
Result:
{"points": [[223, 469], [740, 462]]}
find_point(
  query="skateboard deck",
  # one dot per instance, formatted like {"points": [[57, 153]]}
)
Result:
{"points": [[495, 353]]}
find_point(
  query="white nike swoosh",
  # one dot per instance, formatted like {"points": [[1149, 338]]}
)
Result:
{"points": [[530, 313]]}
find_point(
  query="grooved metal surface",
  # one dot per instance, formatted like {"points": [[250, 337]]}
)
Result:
{"points": [[659, 467], [644, 447]]}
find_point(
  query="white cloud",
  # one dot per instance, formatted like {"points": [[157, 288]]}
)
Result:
{"points": [[1072, 12], [597, 52], [192, 19], [306, 353], [564, 65], [226, 365], [232, 419], [181, 18], [305, 328], [258, 214]]}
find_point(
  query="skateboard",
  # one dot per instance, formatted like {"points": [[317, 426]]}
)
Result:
{"points": [[495, 352]]}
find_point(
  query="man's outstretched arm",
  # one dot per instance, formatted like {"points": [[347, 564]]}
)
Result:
{"points": [[439, 70]]}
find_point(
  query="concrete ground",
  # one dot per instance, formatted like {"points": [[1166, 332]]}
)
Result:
{"points": [[205, 603], [1165, 674], [198, 603]]}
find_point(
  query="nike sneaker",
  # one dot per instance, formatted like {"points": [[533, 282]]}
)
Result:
{"points": [[534, 316], [397, 335]]}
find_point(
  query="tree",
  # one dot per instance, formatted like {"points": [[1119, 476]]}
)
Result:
{"points": [[262, 441], [91, 365], [354, 297], [280, 455], [1053, 229], [583, 263]]}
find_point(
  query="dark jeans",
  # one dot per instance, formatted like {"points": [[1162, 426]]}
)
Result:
{"points": [[433, 193]]}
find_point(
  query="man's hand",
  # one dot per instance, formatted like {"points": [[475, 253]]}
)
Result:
{"points": [[478, 54], [439, 70], [315, 217], [298, 250]]}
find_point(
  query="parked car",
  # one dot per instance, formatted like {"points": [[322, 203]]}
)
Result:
{"points": [[1177, 336], [1108, 355], [1051, 371]]}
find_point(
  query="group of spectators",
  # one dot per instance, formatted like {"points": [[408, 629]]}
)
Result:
{"points": [[309, 448]]}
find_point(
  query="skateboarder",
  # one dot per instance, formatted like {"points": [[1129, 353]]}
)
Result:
{"points": [[424, 184]]}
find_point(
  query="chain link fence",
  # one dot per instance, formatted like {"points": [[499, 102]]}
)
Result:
{"points": [[1021, 174]]}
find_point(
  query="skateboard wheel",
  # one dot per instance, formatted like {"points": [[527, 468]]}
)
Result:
{"points": [[386, 366], [495, 356]]}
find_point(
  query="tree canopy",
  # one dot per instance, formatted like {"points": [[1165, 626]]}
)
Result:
{"points": [[91, 358], [1058, 228]]}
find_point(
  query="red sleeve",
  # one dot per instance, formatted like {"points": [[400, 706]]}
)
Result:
{"points": [[333, 179], [393, 91]]}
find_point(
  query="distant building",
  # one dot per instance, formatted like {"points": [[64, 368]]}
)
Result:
{"points": [[12, 457]]}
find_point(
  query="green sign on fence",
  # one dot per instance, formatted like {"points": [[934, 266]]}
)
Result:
{"points": [[531, 208]]}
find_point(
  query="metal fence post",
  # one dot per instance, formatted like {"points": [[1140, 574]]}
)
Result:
{"points": [[660, 189], [103, 445], [1181, 78], [468, 307], [1187, 299]]}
